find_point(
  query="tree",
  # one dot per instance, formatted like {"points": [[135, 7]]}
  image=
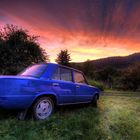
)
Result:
{"points": [[18, 50], [88, 69], [63, 58], [131, 78], [107, 75]]}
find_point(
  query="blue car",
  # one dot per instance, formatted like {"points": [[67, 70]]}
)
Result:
{"points": [[44, 86]]}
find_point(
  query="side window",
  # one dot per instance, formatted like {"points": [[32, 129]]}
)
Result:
{"points": [[62, 74], [65, 74], [56, 75], [79, 78]]}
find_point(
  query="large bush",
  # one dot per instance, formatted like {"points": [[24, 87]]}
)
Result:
{"points": [[18, 50], [131, 78], [100, 85]]}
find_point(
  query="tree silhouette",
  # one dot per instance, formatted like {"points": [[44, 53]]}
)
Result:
{"points": [[131, 78], [18, 50], [107, 75], [63, 58], [88, 69]]}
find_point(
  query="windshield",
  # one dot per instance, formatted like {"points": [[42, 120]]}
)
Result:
{"points": [[34, 71]]}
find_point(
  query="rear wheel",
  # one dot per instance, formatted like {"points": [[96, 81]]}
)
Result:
{"points": [[95, 101], [43, 108]]}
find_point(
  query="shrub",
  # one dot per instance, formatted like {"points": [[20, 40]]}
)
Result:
{"points": [[98, 84], [131, 78]]}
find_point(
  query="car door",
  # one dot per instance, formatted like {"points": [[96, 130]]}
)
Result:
{"points": [[63, 85], [84, 93]]}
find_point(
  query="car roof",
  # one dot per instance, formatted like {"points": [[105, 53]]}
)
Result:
{"points": [[63, 66]]}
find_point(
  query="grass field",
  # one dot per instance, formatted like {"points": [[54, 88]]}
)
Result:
{"points": [[116, 118]]}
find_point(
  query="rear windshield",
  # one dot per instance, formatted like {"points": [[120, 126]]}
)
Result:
{"points": [[34, 71]]}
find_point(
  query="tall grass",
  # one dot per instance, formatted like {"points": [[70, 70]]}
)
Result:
{"points": [[116, 118]]}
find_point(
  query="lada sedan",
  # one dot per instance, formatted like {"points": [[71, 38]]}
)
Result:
{"points": [[42, 87]]}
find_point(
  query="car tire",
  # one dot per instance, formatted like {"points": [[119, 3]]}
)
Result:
{"points": [[43, 108], [95, 101]]}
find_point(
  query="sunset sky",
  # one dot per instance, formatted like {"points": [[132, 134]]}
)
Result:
{"points": [[89, 29]]}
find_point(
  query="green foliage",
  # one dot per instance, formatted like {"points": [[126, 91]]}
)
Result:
{"points": [[112, 78], [114, 72], [98, 84], [18, 50], [107, 75], [131, 78], [63, 58], [88, 68], [116, 118]]}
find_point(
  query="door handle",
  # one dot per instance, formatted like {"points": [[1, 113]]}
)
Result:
{"points": [[55, 84], [78, 86]]}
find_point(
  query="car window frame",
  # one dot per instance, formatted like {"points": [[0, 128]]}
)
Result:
{"points": [[86, 82], [39, 75], [60, 67], [59, 73]]}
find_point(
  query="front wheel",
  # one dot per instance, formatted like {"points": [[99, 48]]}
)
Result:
{"points": [[43, 108]]}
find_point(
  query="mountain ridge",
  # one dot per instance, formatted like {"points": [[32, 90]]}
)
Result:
{"points": [[118, 62]]}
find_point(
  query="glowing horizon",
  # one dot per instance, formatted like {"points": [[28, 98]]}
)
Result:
{"points": [[88, 29]]}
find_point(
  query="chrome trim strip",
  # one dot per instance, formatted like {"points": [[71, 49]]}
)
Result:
{"points": [[74, 103]]}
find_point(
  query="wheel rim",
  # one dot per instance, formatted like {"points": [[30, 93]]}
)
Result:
{"points": [[44, 109]]}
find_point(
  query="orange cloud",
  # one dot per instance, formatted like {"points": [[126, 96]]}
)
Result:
{"points": [[88, 29]]}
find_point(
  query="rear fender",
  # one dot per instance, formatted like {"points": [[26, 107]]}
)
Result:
{"points": [[45, 94]]}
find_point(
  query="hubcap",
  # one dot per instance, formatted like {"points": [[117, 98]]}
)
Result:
{"points": [[44, 109]]}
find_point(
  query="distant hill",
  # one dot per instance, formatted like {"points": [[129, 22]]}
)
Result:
{"points": [[118, 62]]}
